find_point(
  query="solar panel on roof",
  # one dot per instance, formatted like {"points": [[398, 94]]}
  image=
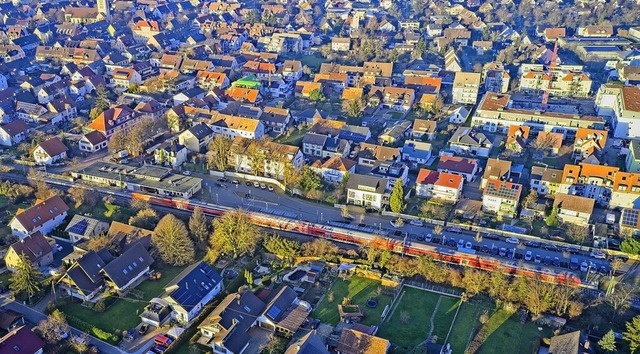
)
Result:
{"points": [[273, 312], [80, 227], [630, 217]]}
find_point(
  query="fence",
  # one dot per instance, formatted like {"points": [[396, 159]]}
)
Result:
{"points": [[248, 177]]}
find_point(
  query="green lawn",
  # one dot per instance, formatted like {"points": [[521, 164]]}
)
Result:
{"points": [[359, 290], [294, 139], [123, 313], [312, 61], [419, 305]]}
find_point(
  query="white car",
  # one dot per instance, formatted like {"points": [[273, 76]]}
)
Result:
{"points": [[528, 256], [468, 245], [503, 252], [460, 243], [58, 247], [186, 173], [512, 240], [584, 267], [537, 259], [270, 188], [416, 222], [598, 255], [428, 238]]}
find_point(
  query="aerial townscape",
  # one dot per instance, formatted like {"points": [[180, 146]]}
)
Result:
{"points": [[315, 177]]}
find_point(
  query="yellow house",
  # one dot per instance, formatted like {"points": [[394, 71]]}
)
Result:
{"points": [[35, 247]]}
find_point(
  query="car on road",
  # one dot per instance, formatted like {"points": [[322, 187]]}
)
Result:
{"points": [[528, 256], [468, 245], [159, 349], [584, 266], [597, 254], [186, 173], [537, 259], [453, 229], [230, 274], [235, 181], [58, 247], [270, 188], [428, 238], [533, 244], [416, 222], [491, 236], [503, 252], [512, 240], [571, 250], [555, 262], [451, 242], [220, 185], [550, 247], [256, 184], [143, 329], [248, 184]]}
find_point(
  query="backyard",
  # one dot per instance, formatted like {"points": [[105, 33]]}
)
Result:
{"points": [[417, 315], [123, 313], [503, 330], [359, 290]]}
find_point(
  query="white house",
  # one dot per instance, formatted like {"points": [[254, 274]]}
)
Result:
{"points": [[234, 126], [50, 151], [92, 142], [441, 185], [44, 217], [416, 152], [620, 103], [334, 169], [14, 133], [367, 191], [196, 138], [573, 209], [3, 82], [501, 197], [459, 115], [170, 154]]}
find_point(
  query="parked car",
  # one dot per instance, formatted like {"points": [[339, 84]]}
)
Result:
{"points": [[584, 266], [550, 247], [528, 256], [492, 236], [503, 252], [58, 247], [456, 230], [460, 243], [468, 245], [428, 238], [235, 181], [546, 260], [555, 262], [537, 259], [574, 264], [451, 242], [512, 240], [597, 254], [186, 173], [533, 244], [248, 183], [263, 186], [270, 188], [143, 329], [485, 249], [416, 222], [256, 184]]}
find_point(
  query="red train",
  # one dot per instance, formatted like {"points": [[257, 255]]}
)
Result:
{"points": [[360, 238]]}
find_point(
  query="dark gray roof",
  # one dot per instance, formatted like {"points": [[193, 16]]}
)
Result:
{"points": [[314, 139], [311, 343], [129, 265], [565, 344], [279, 302], [356, 181], [467, 136], [91, 265], [194, 283], [200, 131]]}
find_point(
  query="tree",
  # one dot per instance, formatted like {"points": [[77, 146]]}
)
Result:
{"points": [[421, 48], [577, 233], [145, 218], [252, 16], [248, 277], [53, 327], [98, 243], [608, 342], [316, 95], [632, 335], [219, 152], [80, 343], [172, 241], [552, 219], [233, 234], [396, 201], [26, 279], [539, 296], [631, 246], [83, 197], [319, 248], [289, 250], [353, 108], [101, 103], [117, 141], [531, 199], [474, 281], [619, 298], [199, 227], [309, 180], [434, 209]]}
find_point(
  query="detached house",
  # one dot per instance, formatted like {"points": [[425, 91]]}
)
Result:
{"points": [[92, 142], [114, 119], [170, 154], [44, 217], [517, 138], [441, 185], [467, 168], [466, 141], [84, 228], [24, 340], [423, 128], [367, 191], [13, 133], [501, 198], [573, 209], [196, 138], [589, 142], [416, 152], [496, 169], [50, 151], [396, 98], [35, 247], [334, 169]]}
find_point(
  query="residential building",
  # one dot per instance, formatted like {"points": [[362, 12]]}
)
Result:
{"points": [[371, 155], [599, 31], [570, 343], [589, 142], [545, 181], [395, 133], [517, 138], [211, 80], [622, 105], [356, 342], [396, 98], [393, 172], [170, 154], [191, 290], [310, 343], [197, 138], [423, 128], [84, 228], [43, 217], [276, 158], [496, 169], [629, 221], [232, 127], [13, 133], [465, 88], [633, 157], [334, 169], [275, 119], [35, 247], [459, 115], [83, 279], [115, 119], [50, 151], [496, 78], [127, 270], [367, 191], [10, 320], [501, 198], [465, 167], [416, 153], [565, 80], [340, 44], [440, 185], [354, 133], [93, 141], [549, 143], [466, 141], [124, 78], [24, 340], [573, 209]]}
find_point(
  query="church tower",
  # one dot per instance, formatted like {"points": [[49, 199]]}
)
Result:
{"points": [[103, 9]]}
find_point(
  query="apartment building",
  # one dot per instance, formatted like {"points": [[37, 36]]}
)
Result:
{"points": [[465, 88], [566, 80]]}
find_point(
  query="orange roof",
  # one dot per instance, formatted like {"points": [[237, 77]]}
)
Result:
{"points": [[449, 180], [211, 76], [307, 87], [433, 82], [352, 93], [258, 66], [554, 139], [339, 164], [555, 32], [152, 25], [625, 181], [517, 131], [492, 101], [109, 117], [242, 94], [597, 138], [427, 176], [535, 74], [631, 98]]}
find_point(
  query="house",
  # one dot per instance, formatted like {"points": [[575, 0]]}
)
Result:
{"points": [[570, 343], [466, 141], [313, 144], [50, 151], [170, 154], [356, 342], [124, 78], [496, 169], [354, 133], [371, 155], [125, 271], [232, 127], [114, 119], [553, 33], [423, 128], [465, 88], [367, 191], [589, 142], [440, 185], [620, 104], [599, 31], [13, 133], [93, 141], [340, 44], [275, 119], [197, 138], [459, 115], [501, 198], [310, 343], [416, 153], [451, 61], [44, 217], [629, 221], [334, 169], [545, 181], [633, 157], [549, 143], [497, 80], [468, 168], [83, 279], [394, 133], [21, 340], [84, 228], [191, 290], [396, 98], [211, 80], [276, 158], [573, 209], [10, 320], [517, 138], [35, 247]]}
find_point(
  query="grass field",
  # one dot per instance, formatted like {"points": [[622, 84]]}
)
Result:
{"points": [[504, 330], [359, 290], [419, 305], [123, 314]]}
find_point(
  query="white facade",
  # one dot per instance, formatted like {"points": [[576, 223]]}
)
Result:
{"points": [[364, 198], [185, 316], [3, 82], [18, 230], [42, 158]]}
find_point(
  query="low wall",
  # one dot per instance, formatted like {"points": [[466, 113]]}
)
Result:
{"points": [[248, 177]]}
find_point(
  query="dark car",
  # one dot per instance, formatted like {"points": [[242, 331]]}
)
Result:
{"points": [[315, 324], [248, 184], [436, 240], [92, 349], [223, 180], [159, 349], [230, 274], [571, 250], [534, 244], [555, 262], [574, 264], [451, 242], [420, 237], [603, 270], [143, 329], [492, 236], [546, 260], [550, 247], [485, 249]]}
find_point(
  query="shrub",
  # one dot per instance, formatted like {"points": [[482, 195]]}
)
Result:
{"points": [[100, 306]]}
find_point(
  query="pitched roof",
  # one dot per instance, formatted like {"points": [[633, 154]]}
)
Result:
{"points": [[16, 127], [310, 343], [568, 343], [497, 169], [42, 212], [53, 146], [111, 118], [379, 152], [357, 180], [457, 164], [339, 164], [23, 339], [356, 342], [449, 180], [190, 286], [34, 246], [555, 32], [574, 203], [128, 265], [546, 174], [8, 318], [200, 131], [95, 137], [503, 189], [424, 126], [427, 177]]}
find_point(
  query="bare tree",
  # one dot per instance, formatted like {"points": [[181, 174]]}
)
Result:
{"points": [[620, 296], [53, 328], [219, 152], [577, 233]]}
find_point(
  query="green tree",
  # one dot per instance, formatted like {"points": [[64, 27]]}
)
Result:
{"points": [[608, 342], [252, 16], [248, 277], [632, 335], [631, 246], [396, 201], [552, 219], [309, 180], [233, 234], [289, 250], [316, 95], [172, 241], [199, 227], [26, 280], [145, 218], [101, 104], [421, 48]]}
